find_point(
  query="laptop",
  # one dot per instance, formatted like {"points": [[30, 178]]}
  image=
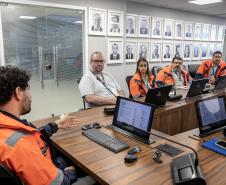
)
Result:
{"points": [[196, 88], [133, 118], [220, 84], [158, 96], [211, 114]]}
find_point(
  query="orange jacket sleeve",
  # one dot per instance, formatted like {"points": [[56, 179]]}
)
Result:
{"points": [[134, 88]]}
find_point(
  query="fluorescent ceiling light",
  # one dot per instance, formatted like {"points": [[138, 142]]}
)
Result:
{"points": [[204, 2], [77, 22], [27, 17]]}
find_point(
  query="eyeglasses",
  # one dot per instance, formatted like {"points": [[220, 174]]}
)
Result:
{"points": [[98, 61]]}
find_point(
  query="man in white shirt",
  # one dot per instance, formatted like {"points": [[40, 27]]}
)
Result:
{"points": [[98, 87]]}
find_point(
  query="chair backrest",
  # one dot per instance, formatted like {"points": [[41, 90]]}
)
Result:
{"points": [[155, 70], [7, 177], [128, 78], [192, 68], [84, 103]]}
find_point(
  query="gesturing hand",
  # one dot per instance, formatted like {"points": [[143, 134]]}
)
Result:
{"points": [[67, 121]]}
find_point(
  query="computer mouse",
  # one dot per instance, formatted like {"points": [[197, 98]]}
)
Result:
{"points": [[134, 150], [96, 125], [129, 158]]}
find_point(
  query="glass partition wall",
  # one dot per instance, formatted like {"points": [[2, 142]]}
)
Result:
{"points": [[48, 42]]}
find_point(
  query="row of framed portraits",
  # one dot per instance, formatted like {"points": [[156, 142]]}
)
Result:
{"points": [[150, 27], [157, 51]]}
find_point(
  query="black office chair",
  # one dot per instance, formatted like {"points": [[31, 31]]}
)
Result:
{"points": [[128, 78], [155, 70], [192, 68], [84, 103], [7, 177]]}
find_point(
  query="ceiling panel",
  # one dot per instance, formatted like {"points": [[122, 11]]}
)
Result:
{"points": [[216, 9]]}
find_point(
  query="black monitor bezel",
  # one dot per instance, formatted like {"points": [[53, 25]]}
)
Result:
{"points": [[220, 125], [137, 132]]}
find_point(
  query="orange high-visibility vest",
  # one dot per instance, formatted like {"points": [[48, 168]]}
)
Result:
{"points": [[205, 67], [166, 77], [26, 154], [137, 86]]}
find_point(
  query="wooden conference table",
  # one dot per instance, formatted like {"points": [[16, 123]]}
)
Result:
{"points": [[107, 167]]}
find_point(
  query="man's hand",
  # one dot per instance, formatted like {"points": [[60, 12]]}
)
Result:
{"points": [[67, 121], [71, 168], [212, 80]]}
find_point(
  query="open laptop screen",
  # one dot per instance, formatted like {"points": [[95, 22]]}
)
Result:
{"points": [[134, 117], [211, 114]]}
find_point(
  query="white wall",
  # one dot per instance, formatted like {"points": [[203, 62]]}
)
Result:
{"points": [[120, 71]]}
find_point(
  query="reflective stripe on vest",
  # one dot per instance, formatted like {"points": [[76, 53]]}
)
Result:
{"points": [[14, 138], [59, 178]]}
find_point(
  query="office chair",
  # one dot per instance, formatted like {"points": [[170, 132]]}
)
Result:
{"points": [[192, 68], [128, 78], [84, 103], [155, 70], [7, 177]]}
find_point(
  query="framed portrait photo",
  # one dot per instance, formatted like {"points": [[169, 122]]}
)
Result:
{"points": [[179, 30], [204, 51], [168, 29], [131, 51], [220, 36], [214, 29], [188, 31], [198, 31], [167, 51], [206, 32], [97, 21], [178, 49], [196, 51], [143, 26], [156, 51], [115, 51], [212, 49], [131, 25], [143, 49], [115, 23], [157, 24], [187, 50]]}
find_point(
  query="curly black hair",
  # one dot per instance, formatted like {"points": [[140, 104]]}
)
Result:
{"points": [[11, 78]]}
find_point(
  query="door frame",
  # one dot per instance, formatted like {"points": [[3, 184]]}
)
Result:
{"points": [[52, 5]]}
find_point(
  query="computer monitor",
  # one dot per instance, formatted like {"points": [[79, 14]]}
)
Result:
{"points": [[211, 115], [133, 118], [196, 88], [221, 83]]}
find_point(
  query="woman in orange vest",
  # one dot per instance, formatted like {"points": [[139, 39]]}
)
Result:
{"points": [[142, 80]]}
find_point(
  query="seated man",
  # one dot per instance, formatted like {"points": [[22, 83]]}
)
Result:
{"points": [[212, 69], [98, 87], [173, 74], [25, 150]]}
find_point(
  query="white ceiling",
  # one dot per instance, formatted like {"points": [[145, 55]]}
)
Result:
{"points": [[216, 9]]}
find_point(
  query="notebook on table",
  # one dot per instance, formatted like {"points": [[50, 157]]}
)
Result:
{"points": [[133, 118]]}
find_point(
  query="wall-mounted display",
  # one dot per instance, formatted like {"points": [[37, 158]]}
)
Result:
{"points": [[115, 23], [204, 51], [144, 24], [115, 51], [156, 51], [131, 48], [206, 32], [131, 25], [167, 51], [187, 50], [196, 48], [168, 29], [198, 31], [143, 49], [188, 31], [179, 30], [157, 27], [97, 21]]}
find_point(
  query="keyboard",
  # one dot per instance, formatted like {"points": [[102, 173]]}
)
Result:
{"points": [[105, 140]]}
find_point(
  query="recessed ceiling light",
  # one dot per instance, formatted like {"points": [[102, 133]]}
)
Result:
{"points": [[27, 17], [204, 2]]}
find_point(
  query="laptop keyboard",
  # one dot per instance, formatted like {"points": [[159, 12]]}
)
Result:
{"points": [[105, 140]]}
